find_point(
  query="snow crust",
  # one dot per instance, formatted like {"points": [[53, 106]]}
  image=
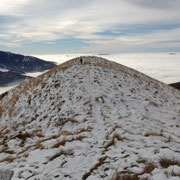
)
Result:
{"points": [[90, 121]]}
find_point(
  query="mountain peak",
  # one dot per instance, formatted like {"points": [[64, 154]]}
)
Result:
{"points": [[89, 118]]}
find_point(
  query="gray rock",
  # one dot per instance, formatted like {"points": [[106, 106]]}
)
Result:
{"points": [[6, 174]]}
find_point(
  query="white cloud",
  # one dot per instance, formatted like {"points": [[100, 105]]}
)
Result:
{"points": [[161, 39], [45, 20], [11, 7], [11, 44], [160, 4]]}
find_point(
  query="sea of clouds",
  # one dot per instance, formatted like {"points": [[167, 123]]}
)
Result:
{"points": [[161, 66]]}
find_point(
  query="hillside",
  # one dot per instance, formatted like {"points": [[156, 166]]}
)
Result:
{"points": [[15, 65], [91, 121]]}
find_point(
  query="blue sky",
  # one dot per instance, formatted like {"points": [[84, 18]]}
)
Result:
{"points": [[83, 26]]}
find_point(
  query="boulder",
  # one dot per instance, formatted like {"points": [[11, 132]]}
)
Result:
{"points": [[6, 174]]}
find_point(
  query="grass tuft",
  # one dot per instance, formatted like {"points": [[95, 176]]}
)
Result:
{"points": [[98, 164], [61, 152], [7, 159], [119, 176], [40, 146], [112, 141], [149, 168], [165, 162]]}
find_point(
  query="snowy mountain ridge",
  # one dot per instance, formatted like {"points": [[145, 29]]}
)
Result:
{"points": [[95, 120]]}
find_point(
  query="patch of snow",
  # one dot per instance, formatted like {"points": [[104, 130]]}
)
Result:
{"points": [[26, 59], [4, 70]]}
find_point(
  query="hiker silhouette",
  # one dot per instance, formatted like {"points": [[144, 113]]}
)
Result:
{"points": [[81, 60]]}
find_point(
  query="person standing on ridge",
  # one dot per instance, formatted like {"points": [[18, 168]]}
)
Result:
{"points": [[81, 60]]}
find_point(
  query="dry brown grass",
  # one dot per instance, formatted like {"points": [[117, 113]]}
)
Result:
{"points": [[43, 84], [169, 139], [7, 159], [112, 141], [143, 161], [151, 102], [77, 132], [98, 164], [144, 117], [128, 176], [1, 111], [34, 117], [3, 95], [26, 154], [63, 142], [61, 152], [15, 126], [62, 121], [165, 162], [49, 138], [4, 140], [39, 146], [67, 133], [5, 150], [154, 134], [13, 101], [81, 130], [2, 133], [24, 136], [149, 168], [40, 135]]}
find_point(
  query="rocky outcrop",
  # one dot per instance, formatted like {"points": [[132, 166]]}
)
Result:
{"points": [[6, 174]]}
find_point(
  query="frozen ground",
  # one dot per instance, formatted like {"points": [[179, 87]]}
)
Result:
{"points": [[91, 121]]}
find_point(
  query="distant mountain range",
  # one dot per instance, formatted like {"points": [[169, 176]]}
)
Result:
{"points": [[14, 66]]}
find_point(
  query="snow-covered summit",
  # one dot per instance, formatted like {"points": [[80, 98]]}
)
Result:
{"points": [[91, 118]]}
